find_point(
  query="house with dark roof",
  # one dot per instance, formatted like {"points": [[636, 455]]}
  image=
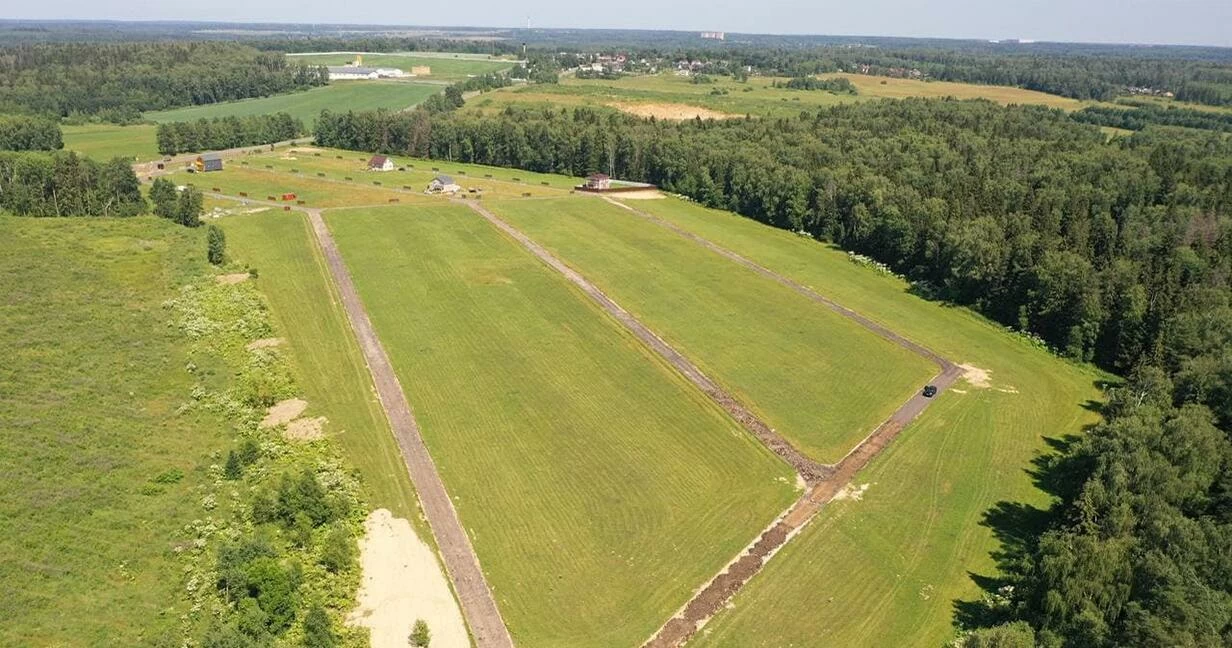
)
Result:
{"points": [[208, 162], [598, 182], [443, 184], [380, 163]]}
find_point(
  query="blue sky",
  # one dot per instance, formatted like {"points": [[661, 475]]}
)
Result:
{"points": [[1193, 22]]}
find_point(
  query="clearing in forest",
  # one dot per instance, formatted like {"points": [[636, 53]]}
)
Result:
{"points": [[105, 141], [308, 104], [582, 466], [819, 379], [894, 562], [443, 66]]}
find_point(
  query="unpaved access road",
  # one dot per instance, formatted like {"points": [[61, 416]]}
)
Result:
{"points": [[823, 481], [478, 605]]}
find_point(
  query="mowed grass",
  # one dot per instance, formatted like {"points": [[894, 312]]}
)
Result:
{"points": [[106, 141], [819, 379], [757, 96], [261, 184], [89, 390], [324, 354], [887, 570], [307, 105], [599, 489], [445, 67]]}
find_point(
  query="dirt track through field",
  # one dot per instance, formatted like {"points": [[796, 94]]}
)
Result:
{"points": [[823, 481], [478, 605]]}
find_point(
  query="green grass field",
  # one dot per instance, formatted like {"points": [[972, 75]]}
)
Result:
{"points": [[890, 566], [668, 96], [260, 184], [819, 379], [92, 378], [105, 141], [307, 105], [445, 66], [599, 488], [323, 352]]}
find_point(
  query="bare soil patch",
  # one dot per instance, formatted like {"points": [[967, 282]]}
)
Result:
{"points": [[647, 194], [232, 278], [306, 429], [284, 412], [670, 111], [852, 492], [402, 582], [981, 378], [265, 343]]}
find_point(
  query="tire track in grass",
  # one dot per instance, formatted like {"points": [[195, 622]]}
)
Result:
{"points": [[823, 481], [478, 606]]}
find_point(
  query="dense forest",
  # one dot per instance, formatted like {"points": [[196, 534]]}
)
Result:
{"points": [[117, 81], [23, 133], [1118, 253], [226, 132], [64, 184]]}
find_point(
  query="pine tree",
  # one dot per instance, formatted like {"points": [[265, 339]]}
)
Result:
{"points": [[216, 245]]}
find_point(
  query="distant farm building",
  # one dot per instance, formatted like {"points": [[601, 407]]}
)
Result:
{"points": [[598, 182], [208, 162], [443, 184], [380, 163], [714, 35]]}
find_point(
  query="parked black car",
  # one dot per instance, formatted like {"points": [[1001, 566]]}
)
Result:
{"points": [[930, 391]]}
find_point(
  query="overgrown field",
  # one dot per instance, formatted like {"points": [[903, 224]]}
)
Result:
{"points": [[598, 487], [819, 379], [445, 66], [105, 141], [307, 105], [323, 352], [667, 95], [894, 562]]}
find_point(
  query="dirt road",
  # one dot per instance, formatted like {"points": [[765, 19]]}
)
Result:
{"points": [[823, 481]]}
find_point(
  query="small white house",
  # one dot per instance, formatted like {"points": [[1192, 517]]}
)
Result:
{"points": [[380, 163], [443, 184]]}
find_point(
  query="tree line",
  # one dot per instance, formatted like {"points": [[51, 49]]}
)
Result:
{"points": [[840, 85], [1118, 253], [226, 132], [24, 133], [118, 81], [1146, 114], [65, 184]]}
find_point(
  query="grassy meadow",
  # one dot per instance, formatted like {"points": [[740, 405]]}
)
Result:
{"points": [[261, 184], [307, 105], [583, 467], [103, 471], [819, 379], [106, 141], [323, 352], [893, 563], [668, 96], [445, 66]]}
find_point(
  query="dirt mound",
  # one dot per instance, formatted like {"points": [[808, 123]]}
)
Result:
{"points": [[284, 412], [265, 343], [851, 492], [232, 278], [402, 582], [670, 111], [306, 429]]}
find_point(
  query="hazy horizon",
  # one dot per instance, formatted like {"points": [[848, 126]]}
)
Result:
{"points": [[1184, 22]]}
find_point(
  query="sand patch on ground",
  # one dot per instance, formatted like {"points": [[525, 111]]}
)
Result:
{"points": [[306, 429], [645, 194], [284, 412], [305, 149], [670, 111], [265, 343], [232, 278], [981, 378], [851, 492], [402, 582]]}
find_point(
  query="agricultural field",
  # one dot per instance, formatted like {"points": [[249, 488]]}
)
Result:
{"points": [[820, 380], [446, 66], [261, 184], [324, 355], [102, 470], [896, 556], [667, 96], [106, 141], [582, 466], [307, 105]]}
